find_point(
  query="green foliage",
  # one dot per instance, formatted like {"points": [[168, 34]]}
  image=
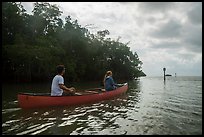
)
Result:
{"points": [[33, 45], [12, 21]]}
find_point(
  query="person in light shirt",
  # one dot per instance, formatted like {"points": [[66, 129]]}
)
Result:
{"points": [[58, 88]]}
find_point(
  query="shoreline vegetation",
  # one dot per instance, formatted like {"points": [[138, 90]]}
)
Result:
{"points": [[34, 44]]}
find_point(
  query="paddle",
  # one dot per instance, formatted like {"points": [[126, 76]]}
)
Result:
{"points": [[91, 91], [84, 92], [95, 90], [98, 90], [78, 94], [119, 85]]}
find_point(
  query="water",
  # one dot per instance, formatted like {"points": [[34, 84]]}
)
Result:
{"points": [[150, 106]]}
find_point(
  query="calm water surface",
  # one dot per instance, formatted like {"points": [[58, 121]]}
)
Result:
{"points": [[150, 106]]}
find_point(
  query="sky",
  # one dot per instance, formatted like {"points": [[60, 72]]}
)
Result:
{"points": [[163, 34]]}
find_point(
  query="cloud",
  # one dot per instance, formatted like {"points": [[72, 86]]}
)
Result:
{"points": [[195, 14], [189, 57], [192, 37], [171, 29], [167, 45], [152, 7]]}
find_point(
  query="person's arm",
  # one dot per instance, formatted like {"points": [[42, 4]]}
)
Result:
{"points": [[68, 90], [63, 87], [113, 82]]}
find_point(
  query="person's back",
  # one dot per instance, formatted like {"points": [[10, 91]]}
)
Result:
{"points": [[109, 83], [58, 88], [55, 89]]}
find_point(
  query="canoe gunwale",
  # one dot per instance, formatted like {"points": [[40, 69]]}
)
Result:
{"points": [[49, 94]]}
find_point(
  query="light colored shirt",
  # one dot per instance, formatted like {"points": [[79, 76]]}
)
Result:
{"points": [[55, 88]]}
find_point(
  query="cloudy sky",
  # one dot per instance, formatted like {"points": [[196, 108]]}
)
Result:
{"points": [[163, 34]]}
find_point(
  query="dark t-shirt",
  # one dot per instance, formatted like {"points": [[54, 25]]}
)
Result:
{"points": [[109, 84]]}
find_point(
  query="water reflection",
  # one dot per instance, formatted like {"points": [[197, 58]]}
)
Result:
{"points": [[164, 85]]}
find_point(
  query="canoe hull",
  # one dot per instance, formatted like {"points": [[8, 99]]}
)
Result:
{"points": [[36, 101]]}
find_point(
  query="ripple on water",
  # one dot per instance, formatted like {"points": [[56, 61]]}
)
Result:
{"points": [[10, 110], [36, 129], [67, 122]]}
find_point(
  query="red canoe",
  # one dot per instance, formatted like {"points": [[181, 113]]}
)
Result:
{"points": [[35, 100]]}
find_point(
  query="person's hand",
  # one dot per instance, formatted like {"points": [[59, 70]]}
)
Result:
{"points": [[72, 89]]}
